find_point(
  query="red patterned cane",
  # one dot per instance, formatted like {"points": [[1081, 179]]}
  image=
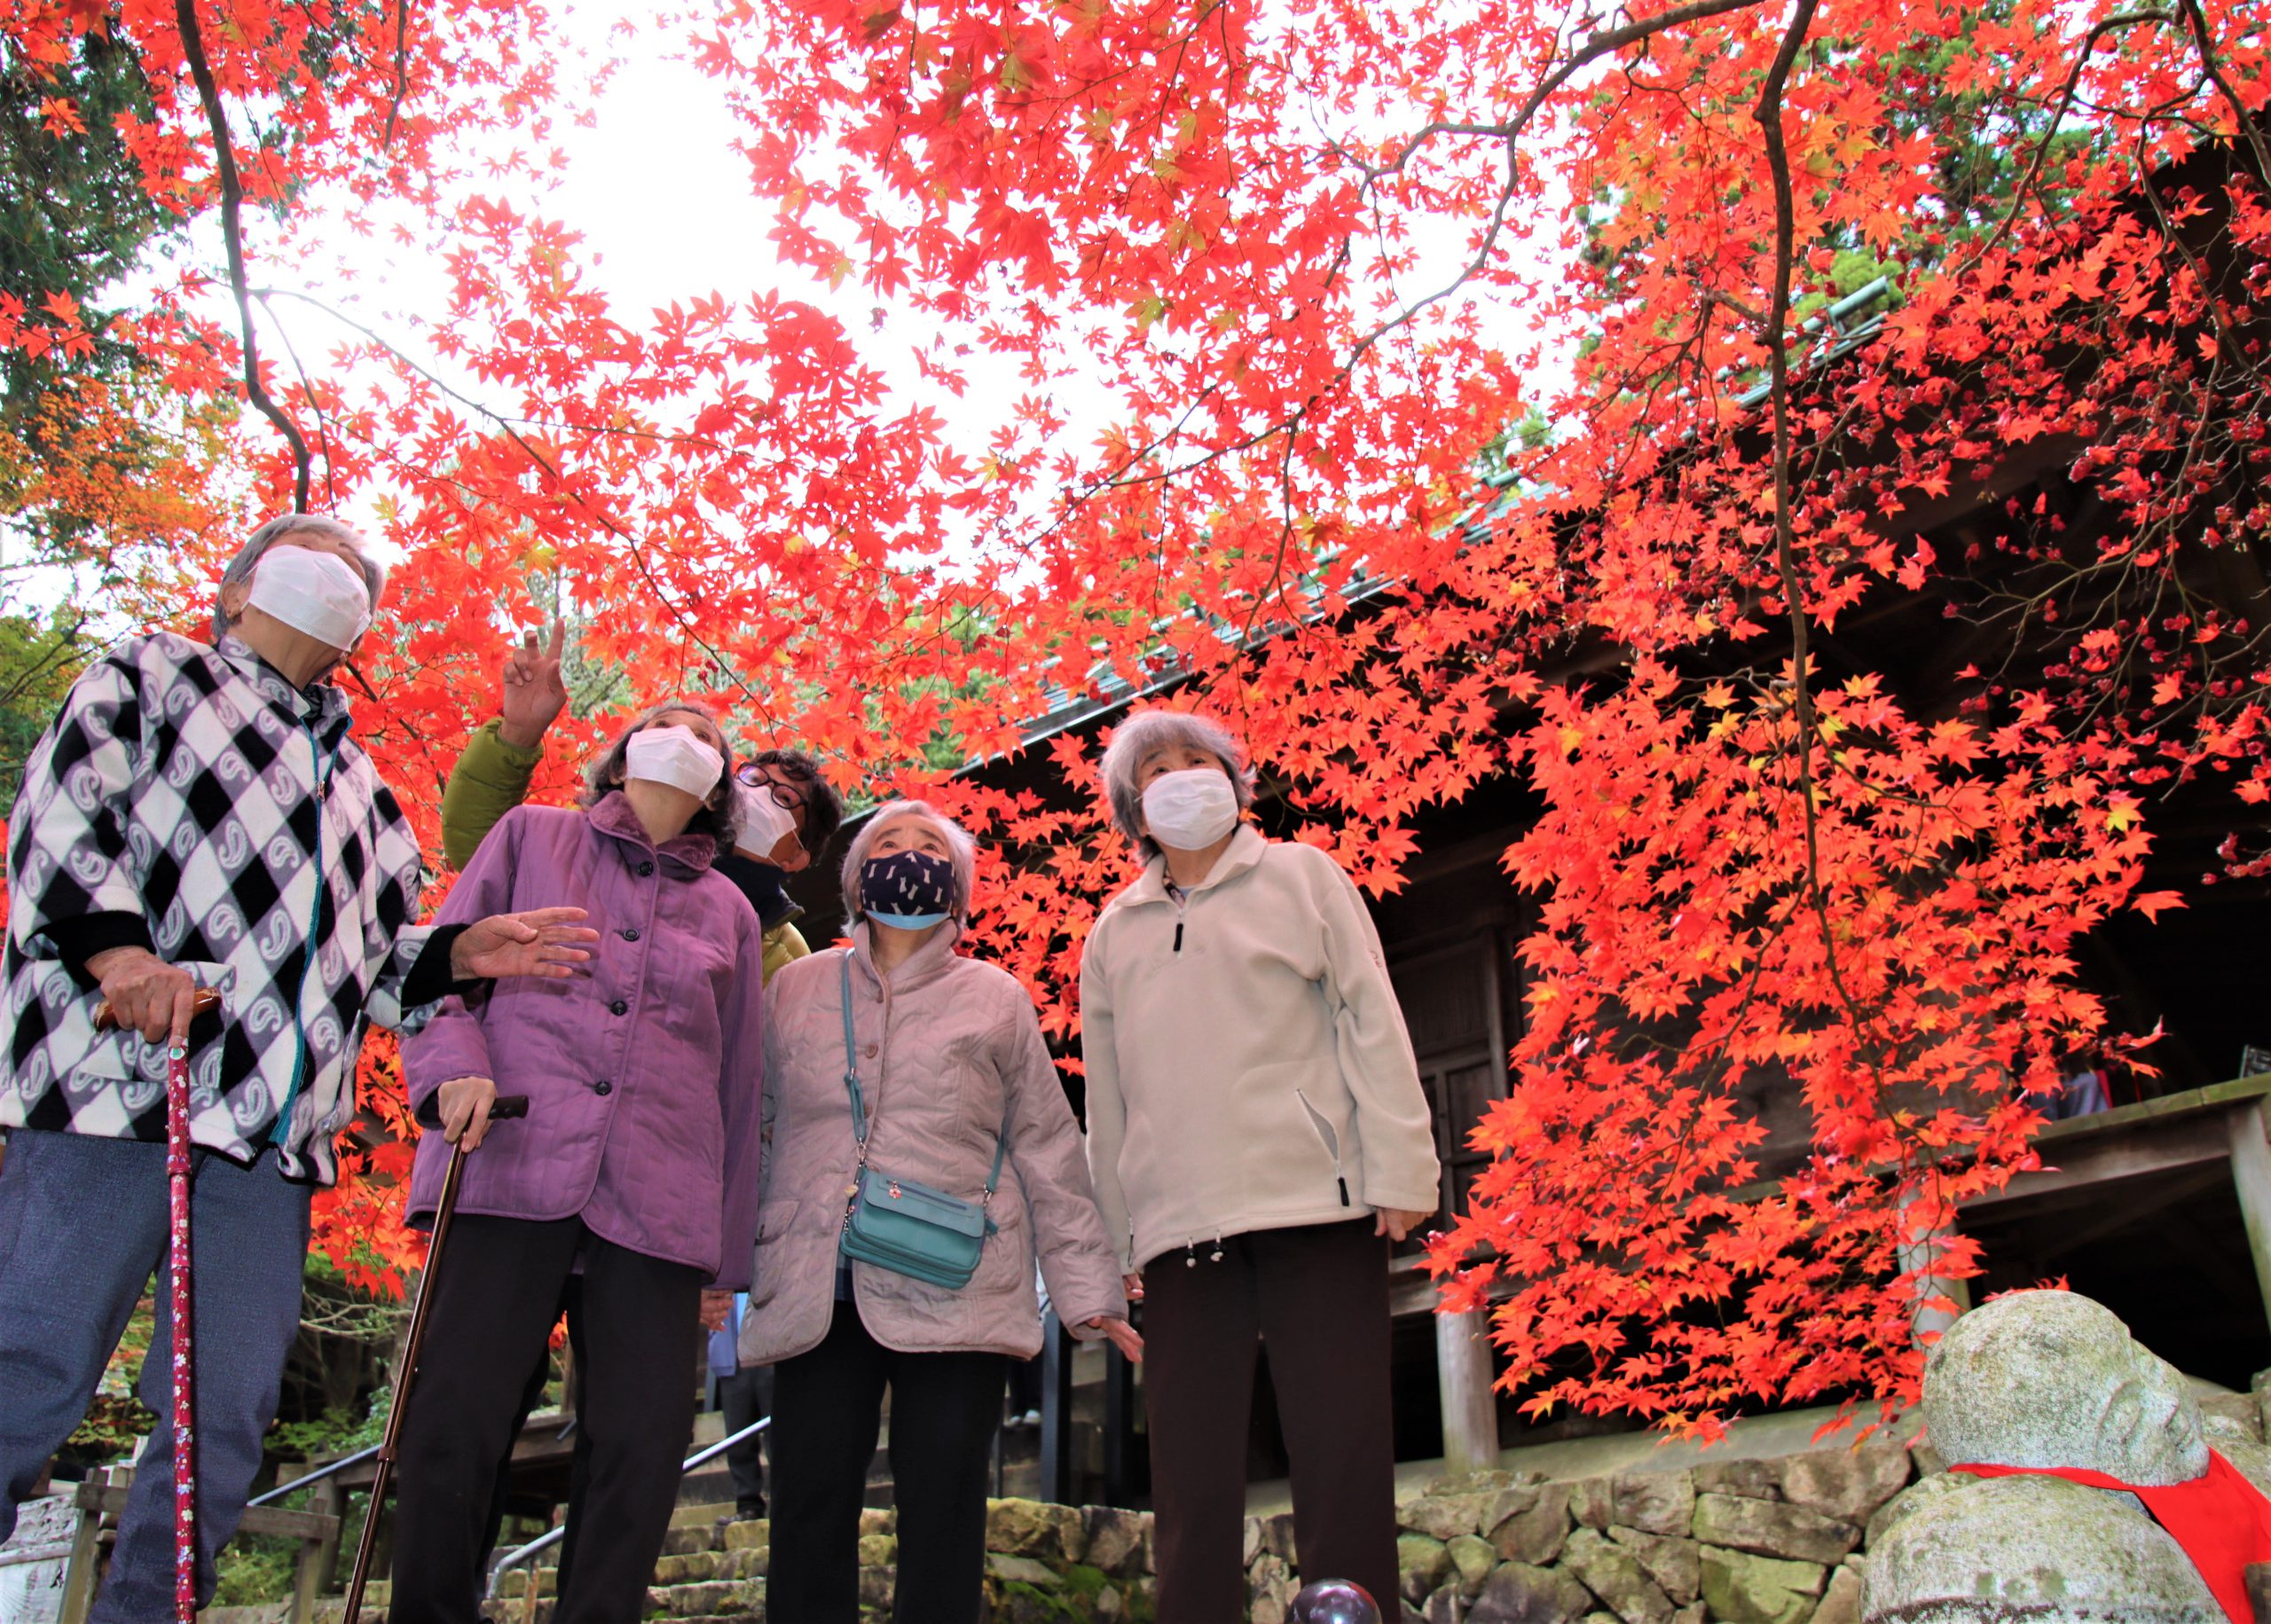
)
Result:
{"points": [[184, 1346]]}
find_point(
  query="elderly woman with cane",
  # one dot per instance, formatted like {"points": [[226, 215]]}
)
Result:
{"points": [[632, 1185], [1257, 1135], [923, 1154], [199, 818]]}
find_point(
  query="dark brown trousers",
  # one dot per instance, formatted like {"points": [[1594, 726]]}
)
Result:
{"points": [[1318, 1296]]}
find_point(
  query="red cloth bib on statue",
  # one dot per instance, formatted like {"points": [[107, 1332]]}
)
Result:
{"points": [[2221, 1519]]}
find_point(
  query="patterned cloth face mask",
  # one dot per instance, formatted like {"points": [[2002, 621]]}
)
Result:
{"points": [[907, 890]]}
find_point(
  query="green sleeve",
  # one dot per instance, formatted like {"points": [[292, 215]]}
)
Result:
{"points": [[489, 780], [784, 944]]}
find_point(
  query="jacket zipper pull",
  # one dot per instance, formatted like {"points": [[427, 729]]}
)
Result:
{"points": [[1343, 1183], [1191, 1254], [1178, 936]]}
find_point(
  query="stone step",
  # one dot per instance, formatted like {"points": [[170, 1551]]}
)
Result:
{"points": [[690, 1514]]}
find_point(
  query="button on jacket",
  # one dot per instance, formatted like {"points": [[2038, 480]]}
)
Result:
{"points": [[943, 1046], [644, 1072], [1247, 1063]]}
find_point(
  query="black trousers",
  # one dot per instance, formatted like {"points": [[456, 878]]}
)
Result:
{"points": [[635, 1322], [826, 1406], [746, 1396], [1318, 1296]]}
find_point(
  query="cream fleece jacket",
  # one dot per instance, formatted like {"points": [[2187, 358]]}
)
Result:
{"points": [[1247, 1065]]}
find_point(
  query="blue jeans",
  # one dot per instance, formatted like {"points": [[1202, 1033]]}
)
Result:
{"points": [[82, 1225]]}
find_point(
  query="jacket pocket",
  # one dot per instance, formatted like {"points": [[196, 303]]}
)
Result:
{"points": [[774, 1221], [1329, 1138]]}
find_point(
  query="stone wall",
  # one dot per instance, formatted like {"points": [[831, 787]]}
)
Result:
{"points": [[1773, 1541]]}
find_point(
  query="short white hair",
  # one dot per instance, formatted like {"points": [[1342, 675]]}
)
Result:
{"points": [[241, 568], [1148, 731], [962, 852]]}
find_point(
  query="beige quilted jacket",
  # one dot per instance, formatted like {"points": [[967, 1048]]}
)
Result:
{"points": [[943, 1047]]}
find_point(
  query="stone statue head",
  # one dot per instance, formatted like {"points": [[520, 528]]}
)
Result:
{"points": [[2048, 1378]]}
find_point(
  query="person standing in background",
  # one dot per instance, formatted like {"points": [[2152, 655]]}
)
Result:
{"points": [[745, 1396]]}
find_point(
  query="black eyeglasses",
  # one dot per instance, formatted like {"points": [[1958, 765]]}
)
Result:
{"points": [[786, 797]]}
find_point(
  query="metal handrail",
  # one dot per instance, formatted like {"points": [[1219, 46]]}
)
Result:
{"points": [[317, 1476], [552, 1536]]}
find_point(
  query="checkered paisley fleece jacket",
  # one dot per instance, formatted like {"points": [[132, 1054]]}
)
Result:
{"points": [[194, 787]]}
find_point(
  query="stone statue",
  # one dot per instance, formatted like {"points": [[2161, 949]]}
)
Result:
{"points": [[2044, 1379]]}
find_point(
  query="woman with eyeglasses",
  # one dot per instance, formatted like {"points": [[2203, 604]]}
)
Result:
{"points": [[630, 1186]]}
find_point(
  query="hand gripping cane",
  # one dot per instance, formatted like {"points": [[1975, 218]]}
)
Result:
{"points": [[503, 1108], [185, 1343]]}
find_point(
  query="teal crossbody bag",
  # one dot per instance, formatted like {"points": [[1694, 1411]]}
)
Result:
{"points": [[898, 1224]]}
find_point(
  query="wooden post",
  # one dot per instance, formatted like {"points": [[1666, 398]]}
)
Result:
{"points": [[2251, 1179], [1463, 1377], [83, 1570], [318, 1558]]}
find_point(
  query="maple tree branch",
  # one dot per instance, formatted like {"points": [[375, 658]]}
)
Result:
{"points": [[315, 402], [225, 166], [1768, 114], [401, 71], [1595, 46], [565, 424], [2214, 63], [2025, 188]]}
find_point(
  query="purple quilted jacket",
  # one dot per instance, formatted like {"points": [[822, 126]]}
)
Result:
{"points": [[645, 1072]]}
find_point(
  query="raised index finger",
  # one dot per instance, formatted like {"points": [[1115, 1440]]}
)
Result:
{"points": [[541, 917], [559, 636]]}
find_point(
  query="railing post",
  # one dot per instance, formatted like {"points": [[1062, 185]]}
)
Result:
{"points": [[1118, 1428], [1055, 1410], [2251, 1179], [1463, 1380]]}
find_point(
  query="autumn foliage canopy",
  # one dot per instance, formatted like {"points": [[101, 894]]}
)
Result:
{"points": [[1445, 388]]}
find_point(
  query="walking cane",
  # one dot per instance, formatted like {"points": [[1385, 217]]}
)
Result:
{"points": [[185, 1343], [503, 1108]]}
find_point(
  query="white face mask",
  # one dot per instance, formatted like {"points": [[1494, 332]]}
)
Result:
{"points": [[1190, 810], [319, 594], [678, 757], [760, 822]]}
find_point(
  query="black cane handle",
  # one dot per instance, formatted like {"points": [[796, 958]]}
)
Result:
{"points": [[505, 1107]]}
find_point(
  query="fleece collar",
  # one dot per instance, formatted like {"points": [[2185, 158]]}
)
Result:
{"points": [[1244, 852]]}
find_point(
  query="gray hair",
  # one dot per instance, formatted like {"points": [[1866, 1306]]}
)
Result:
{"points": [[1148, 731], [241, 568], [962, 852]]}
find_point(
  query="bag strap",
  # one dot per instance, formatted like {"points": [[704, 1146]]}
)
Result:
{"points": [[859, 1102]]}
